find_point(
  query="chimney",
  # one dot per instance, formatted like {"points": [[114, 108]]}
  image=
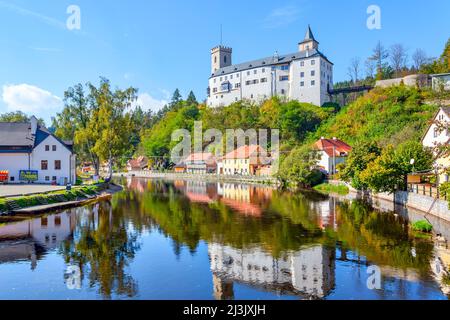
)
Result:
{"points": [[33, 125]]}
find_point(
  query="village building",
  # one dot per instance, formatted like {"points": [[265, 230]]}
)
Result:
{"points": [[138, 164], [438, 135], [245, 160], [440, 81], [305, 75], [201, 163], [29, 152], [332, 152]]}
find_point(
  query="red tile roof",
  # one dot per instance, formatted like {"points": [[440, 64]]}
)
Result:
{"points": [[330, 145], [245, 152]]}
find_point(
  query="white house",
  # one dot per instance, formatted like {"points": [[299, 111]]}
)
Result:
{"points": [[305, 75], [31, 153], [332, 152], [438, 136], [440, 81]]}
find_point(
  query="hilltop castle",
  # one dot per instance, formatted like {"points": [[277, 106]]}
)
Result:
{"points": [[304, 75]]}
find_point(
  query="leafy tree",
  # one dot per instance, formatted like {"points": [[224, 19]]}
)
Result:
{"points": [[17, 116], [359, 158], [389, 171], [379, 56], [299, 167]]}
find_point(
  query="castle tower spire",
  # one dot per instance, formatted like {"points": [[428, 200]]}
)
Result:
{"points": [[309, 43]]}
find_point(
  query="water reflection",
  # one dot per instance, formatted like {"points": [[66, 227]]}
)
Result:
{"points": [[258, 243]]}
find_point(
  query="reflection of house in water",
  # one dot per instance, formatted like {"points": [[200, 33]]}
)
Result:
{"points": [[136, 184], [30, 239], [308, 272], [326, 213]]}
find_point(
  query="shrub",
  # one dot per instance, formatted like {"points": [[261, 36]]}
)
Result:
{"points": [[422, 226]]}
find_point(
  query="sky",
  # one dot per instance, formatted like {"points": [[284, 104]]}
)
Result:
{"points": [[158, 46]]}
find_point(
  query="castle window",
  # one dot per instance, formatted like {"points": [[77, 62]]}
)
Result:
{"points": [[302, 74], [231, 76], [284, 78], [225, 59], [313, 83], [313, 62], [283, 91], [248, 73], [285, 67], [302, 63], [215, 59], [263, 80], [263, 70], [302, 84], [313, 73]]}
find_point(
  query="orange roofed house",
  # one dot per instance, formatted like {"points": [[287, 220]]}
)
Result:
{"points": [[332, 152], [200, 163], [137, 164], [245, 160]]}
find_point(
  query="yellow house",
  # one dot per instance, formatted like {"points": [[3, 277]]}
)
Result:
{"points": [[245, 160], [437, 137]]}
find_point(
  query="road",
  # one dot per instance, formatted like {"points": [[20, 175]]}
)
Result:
{"points": [[26, 189]]}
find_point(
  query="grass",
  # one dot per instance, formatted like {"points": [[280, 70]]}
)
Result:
{"points": [[52, 197], [331, 188], [422, 226]]}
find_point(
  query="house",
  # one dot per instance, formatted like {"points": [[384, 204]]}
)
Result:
{"points": [[245, 160], [305, 75], [436, 136], [332, 152], [29, 152], [440, 81], [180, 168], [201, 163], [137, 164]]}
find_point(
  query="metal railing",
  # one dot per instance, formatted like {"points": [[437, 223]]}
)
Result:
{"points": [[426, 190]]}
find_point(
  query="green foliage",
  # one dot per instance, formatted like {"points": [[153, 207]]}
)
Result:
{"points": [[384, 116], [422, 226], [299, 168], [17, 116], [389, 171], [331, 188]]}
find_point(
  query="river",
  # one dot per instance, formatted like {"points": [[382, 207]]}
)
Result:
{"points": [[195, 240]]}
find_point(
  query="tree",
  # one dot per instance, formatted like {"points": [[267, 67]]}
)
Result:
{"points": [[17, 116], [191, 99], [388, 173], [398, 56], [359, 158], [354, 69], [176, 98], [370, 68], [379, 56], [299, 167], [419, 58]]}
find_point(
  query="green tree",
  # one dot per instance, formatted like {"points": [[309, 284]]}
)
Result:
{"points": [[176, 98], [17, 116], [191, 99]]}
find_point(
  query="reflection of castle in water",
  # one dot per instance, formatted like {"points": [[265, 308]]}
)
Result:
{"points": [[29, 240], [308, 272]]}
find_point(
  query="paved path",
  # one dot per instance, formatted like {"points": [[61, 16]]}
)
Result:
{"points": [[19, 190]]}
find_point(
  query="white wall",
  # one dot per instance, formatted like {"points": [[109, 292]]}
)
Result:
{"points": [[429, 139], [14, 162], [61, 153]]}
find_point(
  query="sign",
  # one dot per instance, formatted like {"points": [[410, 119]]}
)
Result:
{"points": [[28, 175], [4, 176]]}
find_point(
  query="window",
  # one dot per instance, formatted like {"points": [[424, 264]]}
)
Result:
{"points": [[313, 83], [215, 59], [44, 165], [225, 86], [255, 71], [248, 73], [263, 80], [255, 81], [302, 63], [237, 85], [225, 59], [47, 178], [283, 91], [436, 132], [214, 90], [302, 74], [220, 79], [57, 164], [215, 80], [247, 82], [263, 70], [47, 148], [54, 178], [302, 84], [313, 62], [53, 148], [313, 73], [231, 77], [284, 78], [251, 96], [12, 179], [237, 76], [284, 67], [226, 78]]}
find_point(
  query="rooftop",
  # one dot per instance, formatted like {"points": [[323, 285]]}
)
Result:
{"points": [[333, 145]]}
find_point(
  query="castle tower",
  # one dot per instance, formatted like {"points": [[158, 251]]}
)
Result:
{"points": [[309, 43], [220, 57]]}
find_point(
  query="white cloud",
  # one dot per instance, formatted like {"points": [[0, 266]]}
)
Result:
{"points": [[30, 99], [281, 17], [147, 102]]}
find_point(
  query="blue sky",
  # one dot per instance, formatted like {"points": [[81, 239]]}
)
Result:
{"points": [[158, 46]]}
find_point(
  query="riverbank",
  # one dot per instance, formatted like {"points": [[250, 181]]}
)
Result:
{"points": [[201, 177], [13, 208]]}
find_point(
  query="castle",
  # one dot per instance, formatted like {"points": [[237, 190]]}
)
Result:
{"points": [[305, 75]]}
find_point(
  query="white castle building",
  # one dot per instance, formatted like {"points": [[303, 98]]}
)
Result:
{"points": [[304, 75]]}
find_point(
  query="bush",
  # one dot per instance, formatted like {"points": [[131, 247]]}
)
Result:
{"points": [[422, 226], [331, 188]]}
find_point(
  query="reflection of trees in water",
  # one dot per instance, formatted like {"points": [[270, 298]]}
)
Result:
{"points": [[103, 247]]}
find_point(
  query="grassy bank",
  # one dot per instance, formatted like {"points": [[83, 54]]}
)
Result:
{"points": [[51, 197], [331, 188]]}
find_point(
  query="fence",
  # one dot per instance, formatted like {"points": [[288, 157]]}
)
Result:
{"points": [[426, 190]]}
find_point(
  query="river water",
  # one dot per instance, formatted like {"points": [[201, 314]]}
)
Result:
{"points": [[195, 240]]}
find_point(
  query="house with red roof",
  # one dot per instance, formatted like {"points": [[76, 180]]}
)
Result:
{"points": [[137, 164], [332, 152], [202, 162], [245, 160]]}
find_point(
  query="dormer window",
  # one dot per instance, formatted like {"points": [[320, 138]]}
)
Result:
{"points": [[225, 59]]}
